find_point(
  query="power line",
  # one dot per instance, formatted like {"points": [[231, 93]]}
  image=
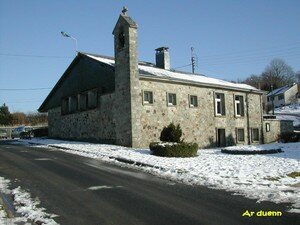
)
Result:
{"points": [[23, 89], [36, 56]]}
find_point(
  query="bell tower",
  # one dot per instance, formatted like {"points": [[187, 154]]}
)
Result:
{"points": [[127, 86]]}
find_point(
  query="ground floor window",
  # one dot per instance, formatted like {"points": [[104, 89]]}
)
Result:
{"points": [[240, 135], [268, 127], [255, 134]]}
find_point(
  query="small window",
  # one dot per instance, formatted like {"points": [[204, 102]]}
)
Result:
{"points": [[171, 99], [83, 101], [65, 106], [280, 97], [240, 135], [148, 97], [255, 135], [239, 105], [219, 104], [72, 104], [268, 127], [193, 101], [121, 40], [92, 99]]}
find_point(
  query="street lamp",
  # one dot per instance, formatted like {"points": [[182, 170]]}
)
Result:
{"points": [[69, 36]]}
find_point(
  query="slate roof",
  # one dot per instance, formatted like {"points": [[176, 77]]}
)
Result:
{"points": [[279, 91], [151, 71]]}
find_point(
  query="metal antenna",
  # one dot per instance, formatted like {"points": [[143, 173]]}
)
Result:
{"points": [[194, 59]]}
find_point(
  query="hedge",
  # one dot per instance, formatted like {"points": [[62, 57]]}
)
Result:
{"points": [[289, 137], [167, 149]]}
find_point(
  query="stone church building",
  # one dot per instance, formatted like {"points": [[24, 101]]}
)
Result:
{"points": [[121, 100]]}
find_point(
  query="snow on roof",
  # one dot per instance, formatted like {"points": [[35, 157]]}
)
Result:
{"points": [[279, 91], [150, 70]]}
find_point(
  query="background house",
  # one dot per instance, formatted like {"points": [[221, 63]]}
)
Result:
{"points": [[284, 96]]}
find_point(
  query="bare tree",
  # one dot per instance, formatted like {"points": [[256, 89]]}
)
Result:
{"points": [[277, 74], [254, 81]]}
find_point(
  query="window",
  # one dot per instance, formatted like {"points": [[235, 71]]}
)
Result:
{"points": [[255, 135], [72, 104], [239, 105], [193, 101], [219, 104], [92, 99], [268, 127], [148, 97], [280, 97], [65, 106], [121, 40], [240, 135], [171, 99], [83, 101]]}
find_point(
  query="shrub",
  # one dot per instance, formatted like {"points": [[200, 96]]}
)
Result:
{"points": [[182, 149], [171, 133], [26, 135], [289, 137], [41, 132]]}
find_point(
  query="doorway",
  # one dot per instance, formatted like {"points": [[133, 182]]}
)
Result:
{"points": [[221, 138]]}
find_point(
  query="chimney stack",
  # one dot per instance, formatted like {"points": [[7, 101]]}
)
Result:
{"points": [[163, 58]]}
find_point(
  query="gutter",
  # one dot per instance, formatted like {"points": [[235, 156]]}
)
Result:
{"points": [[198, 84]]}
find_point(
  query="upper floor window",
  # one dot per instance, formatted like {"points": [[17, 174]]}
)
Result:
{"points": [[72, 104], [219, 104], [239, 105], [171, 99], [92, 99], [65, 106], [83, 101], [148, 97], [193, 101]]}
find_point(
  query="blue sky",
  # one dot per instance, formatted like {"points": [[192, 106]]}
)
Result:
{"points": [[231, 38]]}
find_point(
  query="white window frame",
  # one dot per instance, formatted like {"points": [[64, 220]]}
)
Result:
{"points": [[268, 127], [219, 100], [172, 97], [238, 104], [146, 95], [192, 104]]}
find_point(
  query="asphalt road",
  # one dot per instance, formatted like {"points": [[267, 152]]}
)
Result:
{"points": [[61, 181]]}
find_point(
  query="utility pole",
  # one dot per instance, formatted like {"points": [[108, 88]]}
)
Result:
{"points": [[272, 98]]}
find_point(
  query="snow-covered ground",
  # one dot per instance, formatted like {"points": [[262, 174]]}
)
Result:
{"points": [[261, 177], [290, 109], [25, 206], [289, 112]]}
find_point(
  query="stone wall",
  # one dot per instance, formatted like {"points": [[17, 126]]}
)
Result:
{"points": [[276, 127], [91, 125], [199, 124]]}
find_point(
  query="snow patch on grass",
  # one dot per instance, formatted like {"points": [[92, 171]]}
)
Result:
{"points": [[25, 206]]}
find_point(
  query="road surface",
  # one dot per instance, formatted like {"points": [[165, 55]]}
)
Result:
{"points": [[91, 192]]}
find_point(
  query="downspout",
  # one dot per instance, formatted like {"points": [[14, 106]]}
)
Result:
{"points": [[262, 121], [248, 119]]}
